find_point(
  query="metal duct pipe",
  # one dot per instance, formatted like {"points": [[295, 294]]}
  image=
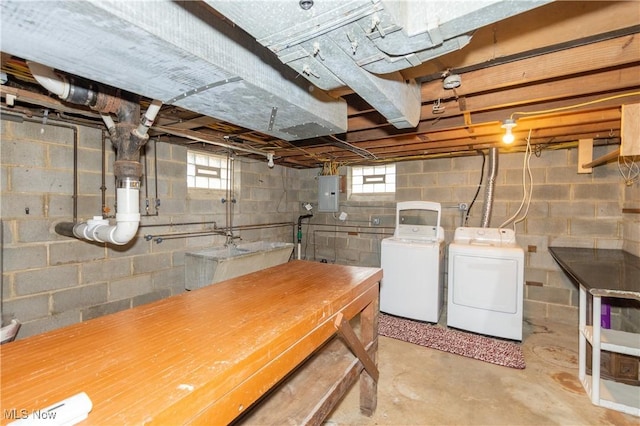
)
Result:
{"points": [[491, 180]]}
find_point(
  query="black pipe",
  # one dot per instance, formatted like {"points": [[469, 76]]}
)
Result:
{"points": [[306, 216], [65, 229]]}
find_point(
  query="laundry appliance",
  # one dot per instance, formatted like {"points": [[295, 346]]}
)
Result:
{"points": [[486, 282], [412, 261]]}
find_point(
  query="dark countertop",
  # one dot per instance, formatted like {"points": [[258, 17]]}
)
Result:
{"points": [[603, 272]]}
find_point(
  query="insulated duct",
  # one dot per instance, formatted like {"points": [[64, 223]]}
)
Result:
{"points": [[250, 62], [364, 44], [182, 53], [490, 186], [127, 136]]}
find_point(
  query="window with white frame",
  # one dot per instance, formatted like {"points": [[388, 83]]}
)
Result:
{"points": [[373, 179], [206, 171]]}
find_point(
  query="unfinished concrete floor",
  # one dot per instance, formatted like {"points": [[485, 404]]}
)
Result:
{"points": [[421, 386]]}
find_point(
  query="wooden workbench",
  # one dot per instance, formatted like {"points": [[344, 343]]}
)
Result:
{"points": [[205, 356]]}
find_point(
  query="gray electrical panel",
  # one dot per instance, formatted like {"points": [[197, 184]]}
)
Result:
{"points": [[328, 193]]}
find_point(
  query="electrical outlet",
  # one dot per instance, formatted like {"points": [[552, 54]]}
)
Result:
{"points": [[376, 221]]}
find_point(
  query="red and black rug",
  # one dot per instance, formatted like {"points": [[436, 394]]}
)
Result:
{"points": [[470, 345]]}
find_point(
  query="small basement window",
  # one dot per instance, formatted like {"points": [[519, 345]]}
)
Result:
{"points": [[373, 179], [206, 171]]}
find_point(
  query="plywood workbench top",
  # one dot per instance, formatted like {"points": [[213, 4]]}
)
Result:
{"points": [[202, 356]]}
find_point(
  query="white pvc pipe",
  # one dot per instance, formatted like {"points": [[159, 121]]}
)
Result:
{"points": [[51, 81], [127, 221], [108, 121], [148, 118]]}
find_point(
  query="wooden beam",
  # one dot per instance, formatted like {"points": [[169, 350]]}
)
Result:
{"points": [[585, 155], [604, 159], [617, 52], [551, 24], [630, 130]]}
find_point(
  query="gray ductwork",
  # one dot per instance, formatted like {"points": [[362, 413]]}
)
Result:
{"points": [[128, 136], [490, 187], [179, 52], [343, 43], [184, 54]]}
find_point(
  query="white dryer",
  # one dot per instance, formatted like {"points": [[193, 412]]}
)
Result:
{"points": [[486, 282], [413, 263]]}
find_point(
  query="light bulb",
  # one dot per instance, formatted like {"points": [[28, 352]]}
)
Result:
{"points": [[270, 160], [508, 125]]}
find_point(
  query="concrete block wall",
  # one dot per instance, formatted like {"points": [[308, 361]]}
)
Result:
{"points": [[566, 209], [49, 281]]}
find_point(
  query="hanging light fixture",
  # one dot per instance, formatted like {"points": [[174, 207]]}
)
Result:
{"points": [[508, 125]]}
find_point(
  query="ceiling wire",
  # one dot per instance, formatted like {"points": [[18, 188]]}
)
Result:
{"points": [[564, 108]]}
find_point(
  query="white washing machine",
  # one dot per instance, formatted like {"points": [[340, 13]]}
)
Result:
{"points": [[486, 282], [413, 263]]}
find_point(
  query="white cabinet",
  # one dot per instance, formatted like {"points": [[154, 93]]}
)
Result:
{"points": [[605, 393]]}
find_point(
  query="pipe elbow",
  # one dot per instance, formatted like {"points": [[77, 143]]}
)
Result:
{"points": [[49, 79], [125, 230], [99, 230]]}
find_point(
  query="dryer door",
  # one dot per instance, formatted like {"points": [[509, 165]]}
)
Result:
{"points": [[485, 282]]}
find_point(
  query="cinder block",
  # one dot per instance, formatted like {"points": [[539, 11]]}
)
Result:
{"points": [[90, 137], [178, 153], [419, 180], [137, 246], [60, 206], [151, 263], [130, 287], [609, 243], [534, 310], [46, 279], [89, 182], [26, 308], [548, 226], [597, 191], [437, 165], [169, 280], [105, 309], [23, 153], [91, 160], [105, 270], [31, 231], [571, 209], [16, 206], [61, 157], [78, 297], [75, 251], [602, 227], [24, 257], [564, 314], [150, 297], [608, 210], [43, 133], [200, 206], [437, 194], [35, 180], [48, 323], [547, 294], [409, 167]]}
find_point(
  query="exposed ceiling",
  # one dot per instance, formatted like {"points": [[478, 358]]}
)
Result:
{"points": [[244, 71]]}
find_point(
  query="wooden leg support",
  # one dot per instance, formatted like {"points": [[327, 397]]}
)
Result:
{"points": [[349, 336]]}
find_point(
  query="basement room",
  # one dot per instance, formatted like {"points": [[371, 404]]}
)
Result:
{"points": [[354, 212]]}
